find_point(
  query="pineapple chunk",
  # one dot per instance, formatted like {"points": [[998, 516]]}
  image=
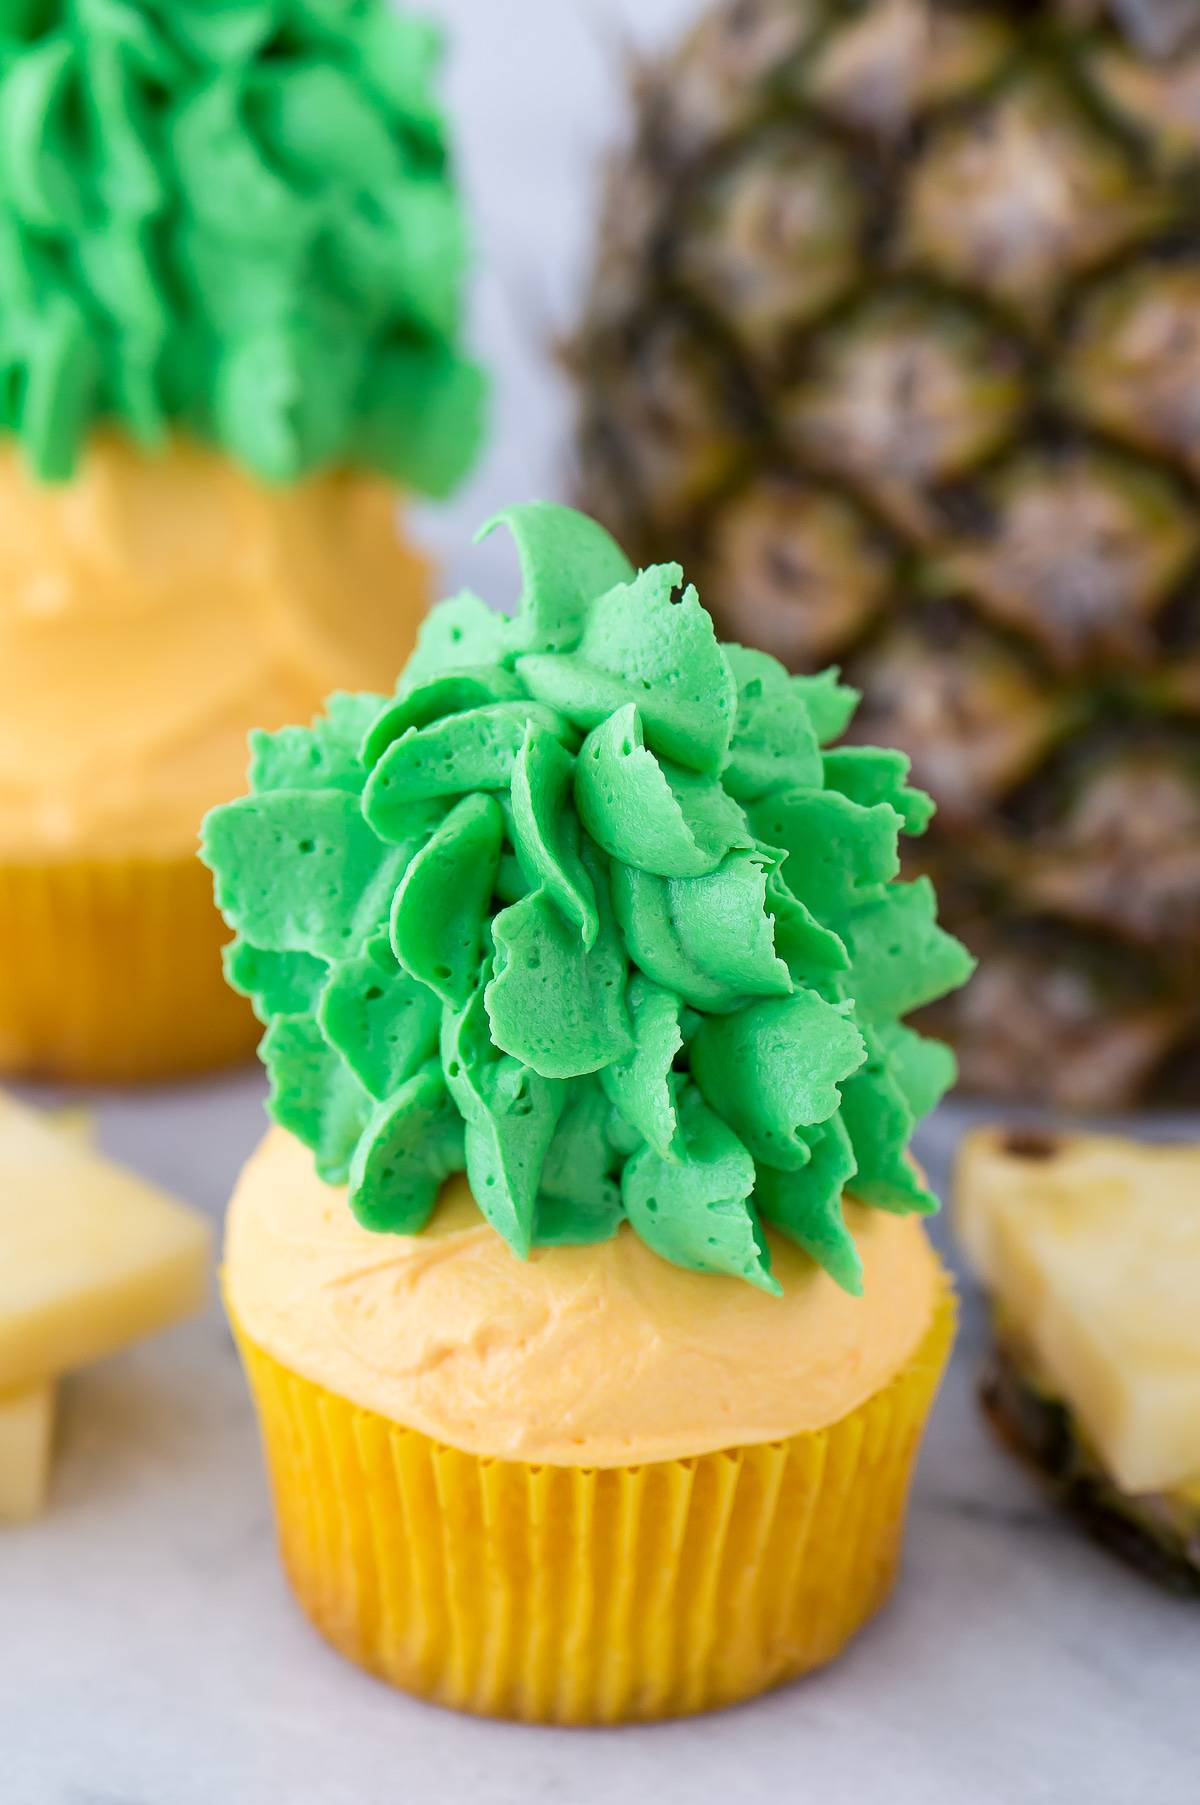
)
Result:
{"points": [[1090, 1246], [94, 1257], [27, 1416], [26, 1429]]}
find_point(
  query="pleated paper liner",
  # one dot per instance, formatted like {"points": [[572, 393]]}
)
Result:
{"points": [[574, 1595], [111, 971]]}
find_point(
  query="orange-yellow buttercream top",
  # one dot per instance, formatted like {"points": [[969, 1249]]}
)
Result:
{"points": [[156, 608], [591, 1356]]}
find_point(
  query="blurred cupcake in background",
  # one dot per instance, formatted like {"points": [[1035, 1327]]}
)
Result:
{"points": [[581, 1283], [231, 265]]}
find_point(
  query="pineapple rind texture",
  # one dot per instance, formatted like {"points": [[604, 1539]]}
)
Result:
{"points": [[894, 340], [1157, 1532], [1090, 1247]]}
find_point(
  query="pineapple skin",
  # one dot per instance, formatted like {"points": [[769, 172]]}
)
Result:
{"points": [[1157, 1532], [894, 340]]}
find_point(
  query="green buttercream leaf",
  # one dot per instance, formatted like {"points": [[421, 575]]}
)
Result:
{"points": [[300, 871], [830, 703], [120, 268], [662, 819], [580, 1202], [318, 122], [420, 706], [871, 774], [566, 562], [643, 908], [460, 633], [640, 646], [695, 1209], [724, 927], [773, 1069], [546, 833], [554, 1004], [313, 1094], [384, 1023], [276, 983], [442, 904], [837, 851], [321, 757], [806, 1204], [510, 1113], [880, 1123], [900, 959], [511, 882], [225, 180], [451, 757], [656, 976], [924, 1069], [62, 383], [420, 417], [40, 185], [410, 1146], [396, 54], [242, 219], [801, 941], [224, 34], [641, 1086], [774, 740]]}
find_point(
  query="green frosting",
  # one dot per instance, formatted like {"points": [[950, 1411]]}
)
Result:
{"points": [[591, 911], [238, 217]]}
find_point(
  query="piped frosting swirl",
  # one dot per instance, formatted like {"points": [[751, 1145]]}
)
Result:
{"points": [[593, 910], [239, 219]]}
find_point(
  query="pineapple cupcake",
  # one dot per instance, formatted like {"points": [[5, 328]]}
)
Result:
{"points": [[1089, 1247], [581, 1283], [231, 256]]}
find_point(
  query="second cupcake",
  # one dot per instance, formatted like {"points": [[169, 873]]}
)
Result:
{"points": [[232, 257]]}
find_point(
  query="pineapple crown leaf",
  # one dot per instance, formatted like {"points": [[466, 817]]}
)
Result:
{"points": [[241, 219], [591, 910]]}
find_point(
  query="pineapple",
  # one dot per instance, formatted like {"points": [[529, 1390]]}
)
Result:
{"points": [[894, 340], [1090, 1249]]}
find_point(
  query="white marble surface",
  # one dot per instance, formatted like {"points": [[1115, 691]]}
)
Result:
{"points": [[149, 1653]]}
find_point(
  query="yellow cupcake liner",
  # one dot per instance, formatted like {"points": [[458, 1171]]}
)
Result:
{"points": [[111, 971], [576, 1595]]}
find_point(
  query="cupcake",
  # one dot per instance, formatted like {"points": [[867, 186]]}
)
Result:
{"points": [[581, 1282], [232, 257], [1088, 1246]]}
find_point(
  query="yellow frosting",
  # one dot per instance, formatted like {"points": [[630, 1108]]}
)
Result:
{"points": [[587, 1356], [157, 607]]}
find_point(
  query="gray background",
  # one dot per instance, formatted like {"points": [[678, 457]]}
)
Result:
{"points": [[149, 1653]]}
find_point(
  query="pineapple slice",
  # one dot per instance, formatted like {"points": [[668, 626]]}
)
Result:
{"points": [[27, 1416], [94, 1257], [26, 1431], [1090, 1246]]}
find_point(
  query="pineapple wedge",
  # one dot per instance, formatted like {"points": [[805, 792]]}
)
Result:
{"points": [[94, 1257], [26, 1431], [1090, 1247], [27, 1416]]}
